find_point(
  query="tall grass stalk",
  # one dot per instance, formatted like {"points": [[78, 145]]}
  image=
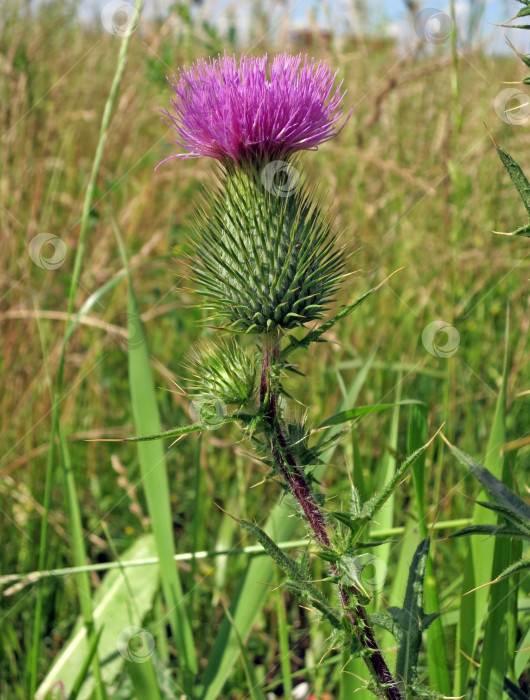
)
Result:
{"points": [[79, 550]]}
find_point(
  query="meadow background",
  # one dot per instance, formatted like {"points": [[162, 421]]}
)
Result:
{"points": [[416, 184]]}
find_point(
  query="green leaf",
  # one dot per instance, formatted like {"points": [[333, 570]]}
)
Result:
{"points": [[293, 570], [394, 590], [386, 622], [354, 523], [494, 530], [523, 13], [518, 522], [351, 568], [411, 619], [119, 603], [173, 433], [371, 507], [524, 59], [522, 231], [499, 493], [514, 568], [513, 691], [352, 413], [521, 183]]}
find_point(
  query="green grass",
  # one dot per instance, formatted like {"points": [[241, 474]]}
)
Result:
{"points": [[419, 184]]}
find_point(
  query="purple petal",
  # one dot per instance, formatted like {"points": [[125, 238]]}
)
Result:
{"points": [[254, 111]]}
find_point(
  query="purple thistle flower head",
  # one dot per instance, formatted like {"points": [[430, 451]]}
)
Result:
{"points": [[254, 112]]}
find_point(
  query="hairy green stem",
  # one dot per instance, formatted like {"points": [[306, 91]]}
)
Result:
{"points": [[301, 490]]}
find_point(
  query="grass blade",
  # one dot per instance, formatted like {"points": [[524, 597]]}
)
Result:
{"points": [[436, 653], [385, 518], [86, 665], [144, 679], [359, 411], [155, 483], [254, 690], [481, 568]]}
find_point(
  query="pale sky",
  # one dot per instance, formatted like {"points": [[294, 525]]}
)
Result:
{"points": [[385, 16]]}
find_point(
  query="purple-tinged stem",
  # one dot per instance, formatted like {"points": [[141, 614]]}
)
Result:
{"points": [[302, 492]]}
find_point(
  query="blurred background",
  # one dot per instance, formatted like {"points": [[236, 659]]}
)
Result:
{"points": [[415, 183]]}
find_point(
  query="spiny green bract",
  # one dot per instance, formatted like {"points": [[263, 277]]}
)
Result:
{"points": [[297, 439], [224, 369], [265, 261]]}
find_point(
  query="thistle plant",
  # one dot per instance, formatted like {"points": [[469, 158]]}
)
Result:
{"points": [[517, 176], [266, 262]]}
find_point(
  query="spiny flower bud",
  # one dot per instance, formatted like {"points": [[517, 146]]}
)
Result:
{"points": [[224, 370], [266, 256]]}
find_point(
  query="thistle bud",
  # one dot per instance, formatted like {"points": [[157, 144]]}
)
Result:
{"points": [[264, 260], [224, 370]]}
